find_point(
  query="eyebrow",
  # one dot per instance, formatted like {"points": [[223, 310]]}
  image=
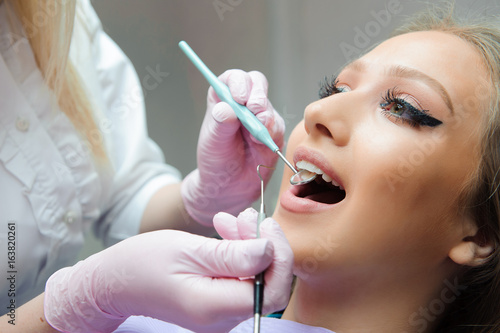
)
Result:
{"points": [[408, 73]]}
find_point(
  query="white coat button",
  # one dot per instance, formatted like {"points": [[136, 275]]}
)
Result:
{"points": [[70, 217], [22, 124]]}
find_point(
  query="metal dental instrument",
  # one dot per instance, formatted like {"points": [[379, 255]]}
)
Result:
{"points": [[247, 118], [302, 177], [258, 294]]}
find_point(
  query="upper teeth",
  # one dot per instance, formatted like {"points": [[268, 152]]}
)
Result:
{"points": [[312, 168]]}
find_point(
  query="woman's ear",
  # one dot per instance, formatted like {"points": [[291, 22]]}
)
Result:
{"points": [[474, 248]]}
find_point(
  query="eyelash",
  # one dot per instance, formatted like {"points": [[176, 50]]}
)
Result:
{"points": [[415, 117], [328, 87]]}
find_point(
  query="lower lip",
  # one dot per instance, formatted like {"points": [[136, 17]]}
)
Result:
{"points": [[291, 202]]}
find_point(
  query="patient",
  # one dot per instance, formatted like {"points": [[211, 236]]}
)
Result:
{"points": [[401, 232]]}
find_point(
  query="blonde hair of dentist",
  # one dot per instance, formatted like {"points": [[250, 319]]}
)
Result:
{"points": [[477, 308], [48, 27]]}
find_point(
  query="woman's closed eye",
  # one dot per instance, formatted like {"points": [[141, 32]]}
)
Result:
{"points": [[399, 109]]}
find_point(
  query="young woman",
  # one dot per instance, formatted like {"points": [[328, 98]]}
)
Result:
{"points": [[401, 232], [403, 235]]}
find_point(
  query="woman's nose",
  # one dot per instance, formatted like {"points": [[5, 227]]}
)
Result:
{"points": [[329, 119]]}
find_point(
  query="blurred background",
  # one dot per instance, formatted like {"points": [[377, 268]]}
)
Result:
{"points": [[295, 43]]}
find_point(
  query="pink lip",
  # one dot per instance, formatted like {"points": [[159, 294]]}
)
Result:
{"points": [[289, 199]]}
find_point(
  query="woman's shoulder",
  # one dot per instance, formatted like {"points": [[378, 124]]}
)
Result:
{"points": [[87, 17]]}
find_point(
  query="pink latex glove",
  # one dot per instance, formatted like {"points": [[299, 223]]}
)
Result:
{"points": [[278, 276], [173, 276], [226, 178]]}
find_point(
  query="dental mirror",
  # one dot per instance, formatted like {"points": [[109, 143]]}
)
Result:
{"points": [[302, 177]]}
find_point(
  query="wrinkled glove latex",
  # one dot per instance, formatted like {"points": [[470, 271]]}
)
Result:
{"points": [[173, 276], [226, 178], [278, 276]]}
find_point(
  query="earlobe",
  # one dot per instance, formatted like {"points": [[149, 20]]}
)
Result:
{"points": [[471, 251]]}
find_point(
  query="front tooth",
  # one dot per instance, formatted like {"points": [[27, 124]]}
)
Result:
{"points": [[326, 178], [314, 169], [309, 167]]}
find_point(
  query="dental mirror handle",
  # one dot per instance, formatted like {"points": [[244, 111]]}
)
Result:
{"points": [[258, 293], [247, 118], [258, 300]]}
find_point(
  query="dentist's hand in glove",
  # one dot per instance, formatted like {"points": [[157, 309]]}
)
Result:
{"points": [[226, 178], [174, 276]]}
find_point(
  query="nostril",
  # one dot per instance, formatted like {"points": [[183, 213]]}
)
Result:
{"points": [[325, 131]]}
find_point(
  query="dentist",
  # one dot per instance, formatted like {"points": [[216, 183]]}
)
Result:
{"points": [[75, 155]]}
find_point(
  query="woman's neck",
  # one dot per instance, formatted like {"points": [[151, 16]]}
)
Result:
{"points": [[350, 305]]}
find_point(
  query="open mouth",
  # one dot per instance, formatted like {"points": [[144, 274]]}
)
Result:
{"points": [[323, 189]]}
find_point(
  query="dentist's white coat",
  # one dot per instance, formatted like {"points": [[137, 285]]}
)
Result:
{"points": [[50, 187]]}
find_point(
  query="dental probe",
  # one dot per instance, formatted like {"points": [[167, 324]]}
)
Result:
{"points": [[258, 294], [247, 118]]}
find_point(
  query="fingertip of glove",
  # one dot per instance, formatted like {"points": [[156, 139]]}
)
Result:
{"points": [[240, 85], [270, 224], [266, 118], [223, 113], [261, 249], [248, 257], [248, 214], [257, 104], [269, 250], [222, 215], [222, 218], [269, 228]]}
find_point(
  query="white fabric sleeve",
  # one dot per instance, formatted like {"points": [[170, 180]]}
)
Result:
{"points": [[138, 163]]}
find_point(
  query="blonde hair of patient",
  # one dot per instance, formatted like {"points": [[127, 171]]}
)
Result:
{"points": [[50, 44]]}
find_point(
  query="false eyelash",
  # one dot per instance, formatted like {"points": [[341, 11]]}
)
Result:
{"points": [[391, 96], [328, 86], [418, 117]]}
